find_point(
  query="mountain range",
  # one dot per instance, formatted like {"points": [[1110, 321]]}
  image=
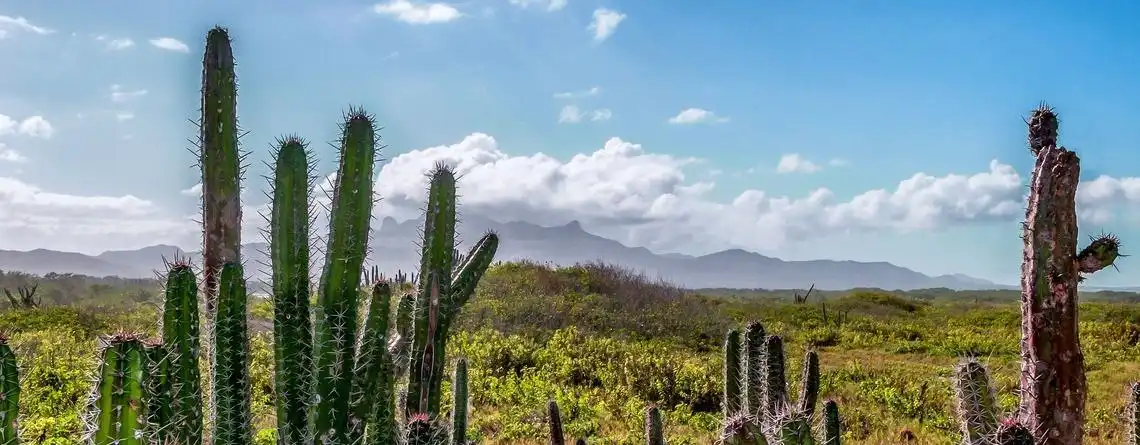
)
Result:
{"points": [[392, 249]]}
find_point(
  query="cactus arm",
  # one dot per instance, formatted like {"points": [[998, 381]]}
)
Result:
{"points": [[809, 384], [975, 402], [467, 276], [557, 437], [367, 378], [129, 398], [9, 395], [459, 404], [233, 422], [832, 428], [775, 377], [180, 338], [654, 429], [753, 373], [732, 379], [289, 257], [349, 216]]}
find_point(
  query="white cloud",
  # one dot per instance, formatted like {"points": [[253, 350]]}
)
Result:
{"points": [[417, 13], [794, 163], [33, 126], [571, 114], [605, 23], [119, 44], [691, 116], [22, 24], [11, 155], [170, 44], [620, 191], [119, 94], [593, 91], [551, 5], [124, 116], [194, 190]]}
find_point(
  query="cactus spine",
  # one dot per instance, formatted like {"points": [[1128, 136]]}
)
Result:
{"points": [[9, 395]]}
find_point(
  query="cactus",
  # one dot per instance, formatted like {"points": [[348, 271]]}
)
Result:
{"points": [[233, 423], [288, 235], [1052, 384], [732, 369], [116, 411], [180, 343], [654, 430], [441, 294], [156, 384], [9, 394], [554, 419], [753, 373], [459, 403], [220, 161]]}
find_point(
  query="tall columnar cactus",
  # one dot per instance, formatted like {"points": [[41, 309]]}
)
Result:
{"points": [[654, 429], [554, 420], [1133, 433], [156, 384], [288, 233], [116, 411], [459, 403], [373, 400], [336, 318], [732, 369], [181, 345], [1052, 384], [9, 395], [978, 416], [753, 372], [220, 161], [443, 290], [232, 419]]}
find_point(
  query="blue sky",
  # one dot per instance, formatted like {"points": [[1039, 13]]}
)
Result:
{"points": [[856, 99]]}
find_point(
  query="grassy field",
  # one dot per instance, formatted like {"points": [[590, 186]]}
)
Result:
{"points": [[605, 343]]}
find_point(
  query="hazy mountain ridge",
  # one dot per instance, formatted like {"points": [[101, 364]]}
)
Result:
{"points": [[392, 249]]}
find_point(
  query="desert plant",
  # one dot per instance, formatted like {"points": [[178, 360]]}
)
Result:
{"points": [[9, 394], [1052, 387]]}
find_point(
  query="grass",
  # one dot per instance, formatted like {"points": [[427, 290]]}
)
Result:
{"points": [[606, 343]]}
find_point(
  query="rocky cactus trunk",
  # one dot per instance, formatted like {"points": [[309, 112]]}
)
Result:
{"points": [[9, 395], [1052, 385], [220, 161]]}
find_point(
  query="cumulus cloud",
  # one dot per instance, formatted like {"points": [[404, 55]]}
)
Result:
{"points": [[22, 24], [571, 114], [8, 154], [794, 163], [605, 23], [170, 44], [621, 191], [417, 13], [119, 44], [120, 94], [551, 5], [593, 91], [690, 116], [33, 126]]}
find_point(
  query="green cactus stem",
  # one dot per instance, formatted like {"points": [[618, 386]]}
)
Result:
{"points": [[975, 402], [423, 430], [775, 377], [459, 403], [832, 429], [335, 324], [116, 412], [809, 384], [753, 362], [554, 419], [732, 397], [1134, 414], [289, 221], [372, 378], [1012, 432], [180, 339], [441, 294], [9, 395], [742, 429], [654, 430], [157, 394], [220, 160], [232, 420]]}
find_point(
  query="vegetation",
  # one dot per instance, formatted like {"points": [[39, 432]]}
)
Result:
{"points": [[617, 352]]}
